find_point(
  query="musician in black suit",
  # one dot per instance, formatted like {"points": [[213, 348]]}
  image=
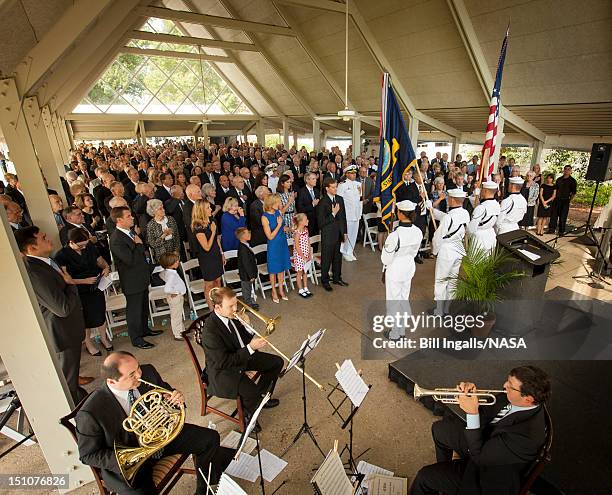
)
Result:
{"points": [[59, 303], [307, 200], [134, 276], [331, 217], [497, 444], [231, 351], [99, 425]]}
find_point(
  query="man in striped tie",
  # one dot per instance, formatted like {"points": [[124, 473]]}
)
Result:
{"points": [[495, 444]]}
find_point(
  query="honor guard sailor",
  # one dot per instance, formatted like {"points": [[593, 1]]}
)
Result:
{"points": [[512, 208], [398, 254], [350, 190], [484, 217], [447, 244]]}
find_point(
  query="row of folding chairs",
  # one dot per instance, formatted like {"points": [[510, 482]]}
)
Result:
{"points": [[116, 302]]}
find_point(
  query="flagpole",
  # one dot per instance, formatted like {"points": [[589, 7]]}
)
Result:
{"points": [[433, 219]]}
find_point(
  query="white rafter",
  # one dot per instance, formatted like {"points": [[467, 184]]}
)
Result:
{"points": [[476, 55], [213, 20], [191, 40], [152, 52]]}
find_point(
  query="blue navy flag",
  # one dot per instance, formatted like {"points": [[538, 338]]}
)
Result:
{"points": [[396, 154]]}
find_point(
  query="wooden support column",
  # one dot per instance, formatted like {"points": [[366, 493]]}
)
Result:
{"points": [[261, 133], [356, 138], [23, 155], [413, 130], [286, 133], [316, 135], [538, 150], [50, 164], [454, 148], [29, 357]]}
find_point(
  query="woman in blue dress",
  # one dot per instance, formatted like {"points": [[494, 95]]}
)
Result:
{"points": [[278, 250]]}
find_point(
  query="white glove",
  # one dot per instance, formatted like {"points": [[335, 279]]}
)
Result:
{"points": [[428, 204], [476, 191]]}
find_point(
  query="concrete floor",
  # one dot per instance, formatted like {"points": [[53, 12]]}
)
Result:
{"points": [[394, 428]]}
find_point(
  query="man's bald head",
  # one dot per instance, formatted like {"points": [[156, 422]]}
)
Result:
{"points": [[121, 370]]}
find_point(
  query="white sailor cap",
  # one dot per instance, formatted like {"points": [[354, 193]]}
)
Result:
{"points": [[490, 185], [457, 193], [516, 180], [351, 169], [271, 167], [406, 205]]}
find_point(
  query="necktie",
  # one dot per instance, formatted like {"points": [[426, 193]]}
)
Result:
{"points": [[131, 399], [240, 341], [312, 194], [132, 235], [334, 201], [55, 266], [501, 414]]}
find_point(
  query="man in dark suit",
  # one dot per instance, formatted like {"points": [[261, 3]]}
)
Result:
{"points": [[102, 192], [59, 303], [223, 189], [255, 213], [99, 425], [231, 351], [134, 276], [130, 184], [240, 192], [174, 207], [74, 219], [307, 200], [409, 190], [331, 217], [193, 193], [497, 444], [163, 191]]}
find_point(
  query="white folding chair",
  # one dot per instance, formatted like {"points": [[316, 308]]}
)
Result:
{"points": [[290, 273], [157, 294], [187, 249], [370, 230], [262, 269], [115, 311], [231, 278], [316, 256], [195, 285]]}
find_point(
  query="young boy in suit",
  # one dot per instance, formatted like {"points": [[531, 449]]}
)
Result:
{"points": [[247, 267]]}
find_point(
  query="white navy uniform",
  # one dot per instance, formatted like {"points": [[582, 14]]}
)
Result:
{"points": [[512, 211], [447, 244], [482, 226], [397, 257], [350, 190]]}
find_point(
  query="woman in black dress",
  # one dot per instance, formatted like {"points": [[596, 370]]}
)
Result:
{"points": [[548, 193], [91, 214], [210, 254], [84, 264]]}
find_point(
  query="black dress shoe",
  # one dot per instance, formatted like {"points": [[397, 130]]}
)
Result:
{"points": [[340, 282], [153, 333], [143, 344], [327, 287], [419, 260], [271, 403]]}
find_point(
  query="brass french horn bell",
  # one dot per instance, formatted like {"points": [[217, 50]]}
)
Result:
{"points": [[269, 322]]}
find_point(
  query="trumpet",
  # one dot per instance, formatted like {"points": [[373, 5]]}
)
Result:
{"points": [[270, 327], [155, 422], [451, 395]]}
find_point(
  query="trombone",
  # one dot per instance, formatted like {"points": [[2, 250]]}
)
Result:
{"points": [[270, 327], [451, 395]]}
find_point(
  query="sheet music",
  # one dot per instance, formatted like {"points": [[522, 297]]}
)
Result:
{"points": [[387, 485], [529, 254], [308, 345], [271, 465], [105, 282], [330, 478], [245, 468], [251, 425], [352, 384], [227, 486], [369, 470], [232, 440]]}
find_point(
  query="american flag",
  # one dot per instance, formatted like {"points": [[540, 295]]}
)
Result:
{"points": [[491, 133]]}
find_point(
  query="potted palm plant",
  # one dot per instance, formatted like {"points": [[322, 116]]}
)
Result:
{"points": [[481, 280]]}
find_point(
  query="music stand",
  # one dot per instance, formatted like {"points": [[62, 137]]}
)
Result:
{"points": [[300, 357], [347, 420]]}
